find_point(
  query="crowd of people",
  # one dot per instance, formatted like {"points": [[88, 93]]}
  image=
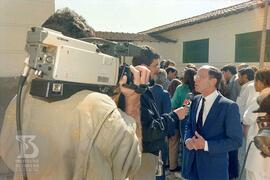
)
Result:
{"points": [[241, 86], [201, 117], [193, 122]]}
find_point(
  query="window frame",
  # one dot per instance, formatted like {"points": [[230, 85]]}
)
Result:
{"points": [[204, 55]]}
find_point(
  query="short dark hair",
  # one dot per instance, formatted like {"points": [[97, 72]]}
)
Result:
{"points": [[162, 63], [171, 69], [173, 85], [146, 57], [263, 75], [229, 67], [156, 56], [214, 72], [168, 62], [247, 71], [69, 23]]}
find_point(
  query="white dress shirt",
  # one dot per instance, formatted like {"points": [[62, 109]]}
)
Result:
{"points": [[246, 97], [209, 100]]}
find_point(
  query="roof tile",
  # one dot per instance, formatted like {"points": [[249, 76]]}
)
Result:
{"points": [[249, 5], [131, 37]]}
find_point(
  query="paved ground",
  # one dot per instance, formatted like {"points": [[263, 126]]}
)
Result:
{"points": [[169, 175], [174, 176]]}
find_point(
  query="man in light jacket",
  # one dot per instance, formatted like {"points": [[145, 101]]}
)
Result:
{"points": [[83, 137]]}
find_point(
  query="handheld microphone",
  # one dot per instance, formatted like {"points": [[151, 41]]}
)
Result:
{"points": [[188, 100]]}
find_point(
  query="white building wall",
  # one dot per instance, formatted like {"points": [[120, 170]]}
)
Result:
{"points": [[16, 18], [164, 49], [221, 33]]}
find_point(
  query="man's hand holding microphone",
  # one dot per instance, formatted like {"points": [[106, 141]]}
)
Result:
{"points": [[183, 111]]}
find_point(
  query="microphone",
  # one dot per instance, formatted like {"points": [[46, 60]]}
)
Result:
{"points": [[188, 100]]}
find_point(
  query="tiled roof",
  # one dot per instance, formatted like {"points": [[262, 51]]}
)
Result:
{"points": [[249, 5], [131, 37]]}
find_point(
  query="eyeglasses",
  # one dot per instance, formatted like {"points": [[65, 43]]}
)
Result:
{"points": [[197, 76]]}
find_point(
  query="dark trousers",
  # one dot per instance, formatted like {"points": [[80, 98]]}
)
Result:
{"points": [[233, 164]]}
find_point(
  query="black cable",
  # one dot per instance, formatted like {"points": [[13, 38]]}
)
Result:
{"points": [[244, 164], [18, 123]]}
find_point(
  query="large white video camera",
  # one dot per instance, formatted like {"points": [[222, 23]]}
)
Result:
{"points": [[65, 65]]}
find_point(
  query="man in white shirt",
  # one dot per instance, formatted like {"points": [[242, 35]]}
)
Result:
{"points": [[213, 129], [247, 93]]}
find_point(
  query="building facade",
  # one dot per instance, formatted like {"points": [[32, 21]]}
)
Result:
{"points": [[228, 35], [16, 18]]}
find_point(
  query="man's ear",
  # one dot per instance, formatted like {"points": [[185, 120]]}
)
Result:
{"points": [[213, 82]]}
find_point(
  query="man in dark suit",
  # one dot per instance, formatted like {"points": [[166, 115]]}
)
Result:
{"points": [[163, 102], [213, 129], [162, 96]]}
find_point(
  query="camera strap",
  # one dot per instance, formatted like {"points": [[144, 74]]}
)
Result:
{"points": [[140, 89]]}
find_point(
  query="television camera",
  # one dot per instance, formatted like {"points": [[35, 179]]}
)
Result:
{"points": [[65, 65]]}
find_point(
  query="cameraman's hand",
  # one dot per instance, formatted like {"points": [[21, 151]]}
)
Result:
{"points": [[141, 75]]}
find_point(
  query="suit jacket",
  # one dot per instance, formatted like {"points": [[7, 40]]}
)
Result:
{"points": [[223, 132], [233, 89], [162, 98]]}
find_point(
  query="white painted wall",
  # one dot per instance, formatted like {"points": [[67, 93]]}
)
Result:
{"points": [[16, 18], [221, 33], [164, 49]]}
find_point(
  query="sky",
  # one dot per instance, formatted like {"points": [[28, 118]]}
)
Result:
{"points": [[138, 15]]}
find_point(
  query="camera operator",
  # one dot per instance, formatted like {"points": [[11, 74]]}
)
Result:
{"points": [[155, 126], [83, 137]]}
